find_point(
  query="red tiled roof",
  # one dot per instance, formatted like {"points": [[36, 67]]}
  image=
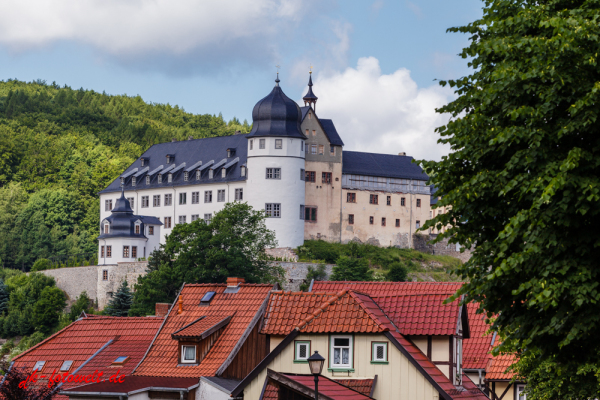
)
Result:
{"points": [[497, 365], [130, 337], [388, 288], [244, 305], [328, 387], [271, 392], [468, 391], [477, 347], [198, 327], [133, 383], [363, 386], [421, 314]]}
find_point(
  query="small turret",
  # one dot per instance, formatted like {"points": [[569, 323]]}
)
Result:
{"points": [[310, 99]]}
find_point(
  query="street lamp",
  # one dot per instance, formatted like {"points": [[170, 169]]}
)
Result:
{"points": [[315, 363]]}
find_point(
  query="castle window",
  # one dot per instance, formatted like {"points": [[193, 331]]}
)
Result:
{"points": [[243, 170], [169, 159], [307, 134], [371, 220], [313, 149], [314, 132], [147, 180], [195, 197], [142, 160], [133, 251], [351, 198], [373, 199], [208, 218], [167, 222], [106, 228], [211, 173], [159, 178], [302, 174], [261, 143], [168, 199], [403, 201], [273, 210], [108, 251], [182, 198], [310, 176], [170, 178], [326, 177], [397, 223], [321, 149], [208, 196], [125, 251], [182, 219], [185, 176], [251, 144], [133, 181], [350, 219], [145, 201], [332, 150], [310, 214], [239, 194], [137, 229], [107, 205], [221, 195], [278, 143], [309, 115], [301, 145], [101, 251], [382, 221], [273, 173], [302, 211], [130, 200], [150, 230], [418, 202], [418, 224], [198, 173], [195, 217], [223, 173], [156, 200]]}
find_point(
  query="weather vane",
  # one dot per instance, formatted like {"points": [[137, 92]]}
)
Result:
{"points": [[310, 72], [277, 66]]}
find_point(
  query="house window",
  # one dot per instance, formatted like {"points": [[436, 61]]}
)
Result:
{"points": [[195, 217], [379, 352], [310, 214], [145, 201], [107, 205], [108, 251], [130, 200], [278, 143], [261, 143], [125, 251], [159, 178], [418, 224], [326, 177], [221, 195], [106, 228], [418, 202], [185, 176], [137, 229], [167, 222], [195, 197], [313, 149], [208, 196], [188, 354], [373, 199], [207, 218], [101, 251], [39, 366], [104, 274], [350, 219], [321, 149], [66, 366], [301, 350], [273, 210], [156, 200], [133, 251], [302, 211], [403, 201], [382, 221], [170, 178], [389, 200], [310, 176], [239, 194], [521, 392], [397, 223], [182, 198], [168, 199], [133, 180], [273, 173], [150, 230], [351, 198], [251, 144], [302, 174], [147, 180], [371, 219], [332, 150], [182, 219], [341, 351]]}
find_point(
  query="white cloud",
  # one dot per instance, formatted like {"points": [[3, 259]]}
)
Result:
{"points": [[383, 113]]}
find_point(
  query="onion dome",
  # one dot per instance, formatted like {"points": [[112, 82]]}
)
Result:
{"points": [[276, 115], [122, 205], [310, 98]]}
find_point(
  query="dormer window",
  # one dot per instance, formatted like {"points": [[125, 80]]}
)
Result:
{"points": [[230, 152], [198, 173], [243, 171], [223, 173], [106, 228], [210, 174], [137, 229], [185, 176], [66, 366], [133, 181], [147, 180], [142, 161], [207, 298], [159, 178], [169, 159], [120, 360], [188, 354], [197, 337], [38, 366], [170, 178]]}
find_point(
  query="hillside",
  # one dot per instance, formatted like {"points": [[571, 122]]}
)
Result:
{"points": [[59, 147]]}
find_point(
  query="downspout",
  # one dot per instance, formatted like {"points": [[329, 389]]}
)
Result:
{"points": [[410, 241], [174, 201]]}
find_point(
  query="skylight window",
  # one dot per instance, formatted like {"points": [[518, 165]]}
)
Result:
{"points": [[207, 298], [66, 366], [120, 360], [39, 365]]}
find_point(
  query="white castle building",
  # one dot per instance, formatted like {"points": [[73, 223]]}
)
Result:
{"points": [[291, 165]]}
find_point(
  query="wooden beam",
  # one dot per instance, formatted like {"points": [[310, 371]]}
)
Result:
{"points": [[505, 390]]}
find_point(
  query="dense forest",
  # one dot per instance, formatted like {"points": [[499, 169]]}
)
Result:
{"points": [[59, 147]]}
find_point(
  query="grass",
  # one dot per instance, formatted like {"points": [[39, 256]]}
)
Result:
{"points": [[420, 266]]}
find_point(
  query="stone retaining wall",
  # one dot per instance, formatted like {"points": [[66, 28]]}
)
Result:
{"points": [[75, 280], [443, 248], [295, 273]]}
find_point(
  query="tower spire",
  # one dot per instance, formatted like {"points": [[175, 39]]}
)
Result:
{"points": [[277, 80], [310, 99]]}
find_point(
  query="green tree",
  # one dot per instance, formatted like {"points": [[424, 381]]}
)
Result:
{"points": [[523, 179], [46, 311], [41, 264], [318, 274], [397, 272], [83, 303], [4, 297], [351, 269], [121, 302]]}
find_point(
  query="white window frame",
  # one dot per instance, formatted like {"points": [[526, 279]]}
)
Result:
{"points": [[170, 178], [220, 195], [520, 389], [332, 348], [159, 178], [185, 176], [273, 210], [262, 143], [195, 197], [195, 217], [133, 181], [374, 346], [208, 196], [182, 219], [145, 201], [39, 366], [208, 218], [198, 174], [131, 202], [147, 180], [297, 345], [273, 173], [106, 228], [169, 199], [239, 194], [183, 360], [279, 144], [183, 198], [251, 144], [66, 366], [156, 200]]}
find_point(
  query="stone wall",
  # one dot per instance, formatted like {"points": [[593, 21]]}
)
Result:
{"points": [[295, 273], [116, 275], [443, 248], [75, 280], [283, 253]]}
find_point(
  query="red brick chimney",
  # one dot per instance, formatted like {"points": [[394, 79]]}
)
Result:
{"points": [[235, 282], [161, 309]]}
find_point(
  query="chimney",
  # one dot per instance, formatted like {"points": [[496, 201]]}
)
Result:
{"points": [[402, 153], [180, 302], [190, 137], [161, 309], [173, 140], [235, 282], [238, 132]]}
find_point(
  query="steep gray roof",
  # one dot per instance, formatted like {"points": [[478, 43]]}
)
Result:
{"points": [[385, 165], [122, 221]]}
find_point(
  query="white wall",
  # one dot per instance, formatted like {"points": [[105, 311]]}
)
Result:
{"points": [[117, 250], [206, 391]]}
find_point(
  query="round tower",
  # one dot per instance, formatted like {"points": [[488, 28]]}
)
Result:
{"points": [[275, 164]]}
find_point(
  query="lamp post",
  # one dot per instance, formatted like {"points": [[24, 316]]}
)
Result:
{"points": [[315, 363]]}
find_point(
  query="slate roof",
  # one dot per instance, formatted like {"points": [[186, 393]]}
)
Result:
{"points": [[80, 341], [476, 348], [244, 306], [122, 221], [188, 152], [433, 199], [331, 132], [385, 165]]}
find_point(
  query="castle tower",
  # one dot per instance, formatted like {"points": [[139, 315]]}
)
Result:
{"points": [[310, 99], [275, 161]]}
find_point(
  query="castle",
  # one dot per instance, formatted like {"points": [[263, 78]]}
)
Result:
{"points": [[291, 165]]}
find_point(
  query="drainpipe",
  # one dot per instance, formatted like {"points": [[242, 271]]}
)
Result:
{"points": [[410, 241], [104, 251], [174, 201]]}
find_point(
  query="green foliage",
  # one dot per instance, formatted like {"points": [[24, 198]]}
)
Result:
{"points": [[232, 245], [318, 274], [4, 297], [59, 147], [41, 264], [523, 179], [47, 309], [397, 273], [83, 303], [351, 269], [121, 302]]}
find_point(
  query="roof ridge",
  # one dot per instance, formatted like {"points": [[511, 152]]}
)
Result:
{"points": [[290, 292], [373, 316], [318, 311]]}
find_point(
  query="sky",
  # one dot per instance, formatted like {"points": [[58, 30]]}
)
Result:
{"points": [[375, 62]]}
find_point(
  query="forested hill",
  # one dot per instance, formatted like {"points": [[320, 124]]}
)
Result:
{"points": [[59, 147]]}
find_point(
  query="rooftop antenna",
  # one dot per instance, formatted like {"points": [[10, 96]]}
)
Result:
{"points": [[277, 80]]}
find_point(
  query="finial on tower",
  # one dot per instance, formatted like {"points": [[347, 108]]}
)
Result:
{"points": [[277, 80], [310, 99]]}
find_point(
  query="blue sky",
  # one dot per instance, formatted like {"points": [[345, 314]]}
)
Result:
{"points": [[374, 62]]}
